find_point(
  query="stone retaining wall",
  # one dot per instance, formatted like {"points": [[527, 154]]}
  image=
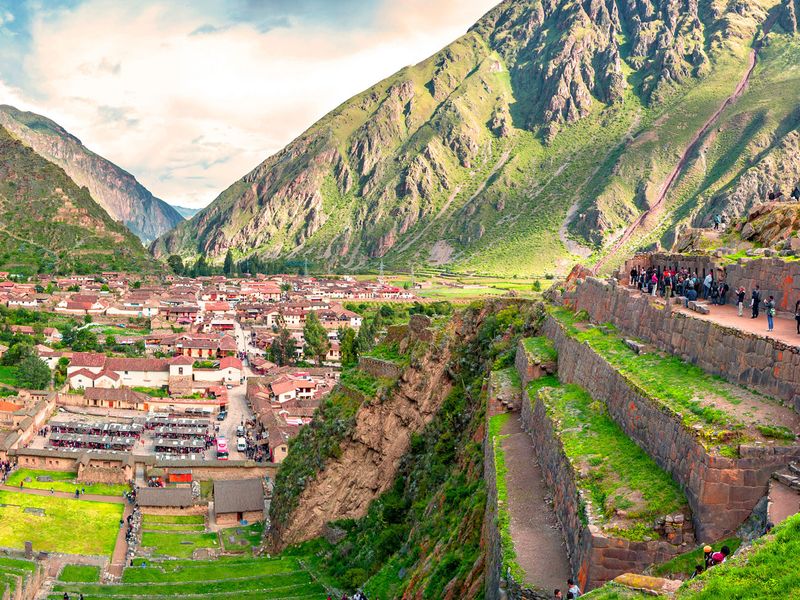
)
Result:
{"points": [[28, 587], [379, 368], [765, 364], [722, 492], [527, 368], [594, 556]]}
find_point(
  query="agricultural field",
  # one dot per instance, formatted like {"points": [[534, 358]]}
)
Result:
{"points": [[60, 481], [58, 524]]}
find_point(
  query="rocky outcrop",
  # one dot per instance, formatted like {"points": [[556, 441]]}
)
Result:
{"points": [[116, 190], [368, 459]]}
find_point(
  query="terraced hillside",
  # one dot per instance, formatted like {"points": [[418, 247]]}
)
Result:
{"points": [[534, 139], [231, 578], [50, 225]]}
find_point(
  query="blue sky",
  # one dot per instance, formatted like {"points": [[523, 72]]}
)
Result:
{"points": [[189, 95]]}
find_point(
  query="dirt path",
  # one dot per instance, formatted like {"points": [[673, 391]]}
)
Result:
{"points": [[783, 502], [657, 208], [121, 547], [537, 536]]}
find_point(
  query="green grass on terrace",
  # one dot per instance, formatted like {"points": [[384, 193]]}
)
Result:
{"points": [[180, 519], [62, 482], [390, 352], [80, 574], [178, 571], [241, 539], [12, 571], [178, 545], [506, 378], [667, 379], [67, 525], [624, 484], [682, 566], [509, 554], [767, 570], [540, 348], [8, 376]]}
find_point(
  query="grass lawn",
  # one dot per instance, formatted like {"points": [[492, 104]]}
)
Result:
{"points": [[8, 376], [540, 348], [178, 545], [69, 526], [617, 474], [183, 519], [80, 574], [241, 539], [63, 482], [177, 571]]}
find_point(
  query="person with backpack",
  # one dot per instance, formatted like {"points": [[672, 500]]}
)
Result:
{"points": [[572, 588], [708, 553], [755, 302], [721, 556], [769, 306]]}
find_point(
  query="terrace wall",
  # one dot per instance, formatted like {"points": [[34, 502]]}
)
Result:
{"points": [[195, 509], [765, 364], [722, 492], [527, 368], [594, 556], [379, 368]]}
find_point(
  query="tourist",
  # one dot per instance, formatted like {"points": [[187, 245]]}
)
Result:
{"points": [[66, 596], [769, 305], [572, 588], [717, 221], [708, 553], [721, 556], [723, 291], [755, 301], [740, 303], [714, 294], [570, 596], [557, 594], [698, 570], [707, 283], [796, 193], [797, 315]]}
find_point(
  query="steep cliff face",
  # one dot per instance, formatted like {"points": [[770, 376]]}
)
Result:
{"points": [[546, 118], [50, 225], [116, 190]]}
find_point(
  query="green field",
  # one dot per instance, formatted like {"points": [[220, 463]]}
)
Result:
{"points": [[80, 574], [62, 482], [241, 539], [177, 545], [229, 578], [13, 572], [69, 526], [8, 376]]}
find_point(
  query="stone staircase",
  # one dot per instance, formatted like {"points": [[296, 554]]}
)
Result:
{"points": [[790, 476]]}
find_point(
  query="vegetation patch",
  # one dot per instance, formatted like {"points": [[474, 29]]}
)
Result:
{"points": [[540, 348], [66, 525], [628, 490], [682, 566], [178, 545], [80, 574], [61, 481]]}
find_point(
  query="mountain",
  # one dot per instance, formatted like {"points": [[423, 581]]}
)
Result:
{"points": [[551, 131], [50, 225], [116, 190], [185, 212]]}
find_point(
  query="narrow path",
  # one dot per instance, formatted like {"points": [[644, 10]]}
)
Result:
{"points": [[657, 207], [67, 495], [121, 547], [783, 502], [537, 536]]}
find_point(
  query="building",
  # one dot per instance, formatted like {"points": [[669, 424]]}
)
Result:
{"points": [[238, 500], [164, 499]]}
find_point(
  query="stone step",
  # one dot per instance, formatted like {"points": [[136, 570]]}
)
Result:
{"points": [[794, 468], [792, 481]]}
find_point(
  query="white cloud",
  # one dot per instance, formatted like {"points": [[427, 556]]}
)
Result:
{"points": [[190, 114], [6, 17]]}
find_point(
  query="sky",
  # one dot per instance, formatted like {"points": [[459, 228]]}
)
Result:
{"points": [[190, 95]]}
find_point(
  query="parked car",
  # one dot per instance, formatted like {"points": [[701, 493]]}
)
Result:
{"points": [[241, 444], [222, 415]]}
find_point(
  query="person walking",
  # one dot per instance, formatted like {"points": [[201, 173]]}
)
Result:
{"points": [[740, 303], [707, 283], [572, 588], [755, 301], [769, 305]]}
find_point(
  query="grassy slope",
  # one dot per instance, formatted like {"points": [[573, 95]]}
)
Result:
{"points": [[48, 224]]}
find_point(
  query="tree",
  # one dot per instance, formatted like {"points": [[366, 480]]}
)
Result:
{"points": [[228, 268], [136, 285], [175, 263], [33, 373], [18, 352], [348, 345], [111, 341], [283, 348], [85, 340], [316, 337], [201, 268]]}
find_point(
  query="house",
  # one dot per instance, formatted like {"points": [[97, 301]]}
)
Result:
{"points": [[165, 499], [238, 500], [91, 361], [144, 372], [232, 369], [116, 398], [84, 379]]}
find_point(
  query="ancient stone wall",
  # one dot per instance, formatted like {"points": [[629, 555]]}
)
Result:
{"points": [[195, 509], [762, 363], [696, 263], [97, 473], [721, 491], [379, 368], [594, 556], [528, 368]]}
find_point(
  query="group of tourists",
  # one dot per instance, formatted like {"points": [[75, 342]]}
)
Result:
{"points": [[359, 595], [690, 286], [6, 467]]}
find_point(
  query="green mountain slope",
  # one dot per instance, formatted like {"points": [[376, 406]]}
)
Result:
{"points": [[49, 224], [116, 190], [536, 138]]}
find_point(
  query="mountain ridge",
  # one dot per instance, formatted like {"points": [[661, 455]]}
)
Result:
{"points": [[545, 118], [114, 188]]}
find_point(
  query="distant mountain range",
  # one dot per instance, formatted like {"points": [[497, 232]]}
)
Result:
{"points": [[116, 190], [551, 131], [48, 224], [187, 213]]}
